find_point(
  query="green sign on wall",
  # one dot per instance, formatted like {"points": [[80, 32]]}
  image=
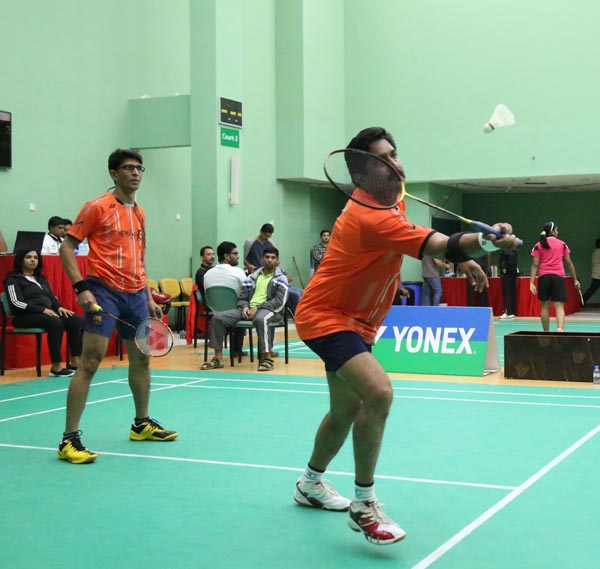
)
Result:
{"points": [[230, 137]]}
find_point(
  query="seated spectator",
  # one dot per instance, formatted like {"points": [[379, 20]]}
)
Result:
{"points": [[207, 260], [34, 306], [262, 300], [54, 238], [228, 274], [294, 293], [318, 251]]}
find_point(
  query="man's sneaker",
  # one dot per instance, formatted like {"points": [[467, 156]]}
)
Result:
{"points": [[320, 494], [151, 430], [503, 316], [72, 449], [510, 316], [64, 372], [369, 518]]}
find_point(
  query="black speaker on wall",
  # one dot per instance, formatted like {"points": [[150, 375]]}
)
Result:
{"points": [[5, 139]]}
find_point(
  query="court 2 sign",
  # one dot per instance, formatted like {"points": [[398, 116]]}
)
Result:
{"points": [[438, 340], [230, 137]]}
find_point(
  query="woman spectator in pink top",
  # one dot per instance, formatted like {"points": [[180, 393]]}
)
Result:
{"points": [[550, 255]]}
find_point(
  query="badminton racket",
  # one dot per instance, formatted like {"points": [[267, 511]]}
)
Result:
{"points": [[152, 336], [373, 182], [580, 295]]}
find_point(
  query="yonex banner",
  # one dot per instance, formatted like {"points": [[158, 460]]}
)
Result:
{"points": [[438, 340]]}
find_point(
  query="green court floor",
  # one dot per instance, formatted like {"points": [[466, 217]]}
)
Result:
{"points": [[480, 476]]}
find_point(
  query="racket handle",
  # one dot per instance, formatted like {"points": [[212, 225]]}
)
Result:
{"points": [[97, 308], [485, 229]]}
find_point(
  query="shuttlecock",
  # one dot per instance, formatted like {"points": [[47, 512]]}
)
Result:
{"points": [[502, 116]]}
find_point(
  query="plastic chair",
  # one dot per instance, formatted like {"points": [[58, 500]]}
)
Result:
{"points": [[6, 314], [171, 286], [219, 299], [186, 285]]}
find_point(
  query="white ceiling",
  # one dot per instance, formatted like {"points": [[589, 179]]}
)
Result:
{"points": [[573, 183]]}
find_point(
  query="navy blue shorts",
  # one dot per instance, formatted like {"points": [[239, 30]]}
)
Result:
{"points": [[552, 287], [337, 348], [131, 307]]}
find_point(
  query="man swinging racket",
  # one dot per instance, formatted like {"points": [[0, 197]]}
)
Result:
{"points": [[339, 322]]}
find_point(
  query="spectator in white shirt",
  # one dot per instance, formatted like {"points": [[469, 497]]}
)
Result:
{"points": [[54, 238]]}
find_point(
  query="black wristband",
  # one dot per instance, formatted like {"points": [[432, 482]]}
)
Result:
{"points": [[454, 253], [80, 286]]}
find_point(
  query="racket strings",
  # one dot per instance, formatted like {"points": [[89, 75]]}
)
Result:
{"points": [[153, 337], [375, 182]]}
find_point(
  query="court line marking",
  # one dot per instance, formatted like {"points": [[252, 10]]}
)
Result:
{"points": [[396, 388], [61, 390], [488, 514], [272, 467], [456, 399], [46, 411]]}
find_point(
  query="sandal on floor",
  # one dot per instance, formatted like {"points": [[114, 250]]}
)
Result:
{"points": [[266, 364], [215, 363]]}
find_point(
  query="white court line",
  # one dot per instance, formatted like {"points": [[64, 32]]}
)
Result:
{"points": [[395, 388], [455, 399], [93, 402], [62, 390], [272, 467], [467, 530]]}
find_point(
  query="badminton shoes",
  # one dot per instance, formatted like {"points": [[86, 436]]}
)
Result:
{"points": [[151, 430], [320, 494], [369, 518], [71, 449]]}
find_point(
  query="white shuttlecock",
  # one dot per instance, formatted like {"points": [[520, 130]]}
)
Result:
{"points": [[502, 116]]}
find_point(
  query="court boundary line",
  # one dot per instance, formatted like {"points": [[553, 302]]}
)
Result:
{"points": [[273, 467], [500, 505]]}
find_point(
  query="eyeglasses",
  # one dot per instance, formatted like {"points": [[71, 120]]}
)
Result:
{"points": [[132, 167]]}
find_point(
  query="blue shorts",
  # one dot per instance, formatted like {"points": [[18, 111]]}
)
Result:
{"points": [[131, 307], [337, 348]]}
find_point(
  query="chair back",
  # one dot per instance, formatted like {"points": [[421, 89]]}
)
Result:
{"points": [[152, 283], [6, 311], [186, 285], [221, 298], [170, 286]]}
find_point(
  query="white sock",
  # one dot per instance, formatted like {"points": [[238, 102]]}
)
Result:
{"points": [[364, 493], [312, 475]]}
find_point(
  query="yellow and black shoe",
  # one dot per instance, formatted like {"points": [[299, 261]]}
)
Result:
{"points": [[71, 449], [151, 430]]}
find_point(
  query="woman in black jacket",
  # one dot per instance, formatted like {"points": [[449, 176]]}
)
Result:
{"points": [[34, 305]]}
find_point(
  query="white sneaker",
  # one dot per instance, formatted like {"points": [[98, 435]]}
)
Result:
{"points": [[503, 316], [369, 518], [510, 315], [320, 494]]}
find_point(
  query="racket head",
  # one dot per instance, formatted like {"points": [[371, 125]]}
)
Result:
{"points": [[365, 178], [154, 338]]}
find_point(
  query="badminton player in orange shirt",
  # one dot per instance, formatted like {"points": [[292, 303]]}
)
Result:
{"points": [[114, 225], [338, 317]]}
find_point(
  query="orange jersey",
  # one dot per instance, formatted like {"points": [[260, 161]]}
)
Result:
{"points": [[116, 234], [356, 282]]}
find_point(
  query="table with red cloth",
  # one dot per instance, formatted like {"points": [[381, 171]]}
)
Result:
{"points": [[191, 315], [455, 294], [60, 283]]}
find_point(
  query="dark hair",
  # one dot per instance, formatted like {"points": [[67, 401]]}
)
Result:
{"points": [[225, 248], [204, 249], [267, 228], [120, 155], [19, 258], [271, 250], [598, 242], [67, 221], [547, 232], [325, 231], [367, 136], [53, 222]]}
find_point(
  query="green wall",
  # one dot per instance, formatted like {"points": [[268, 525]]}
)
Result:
{"points": [[310, 73]]}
